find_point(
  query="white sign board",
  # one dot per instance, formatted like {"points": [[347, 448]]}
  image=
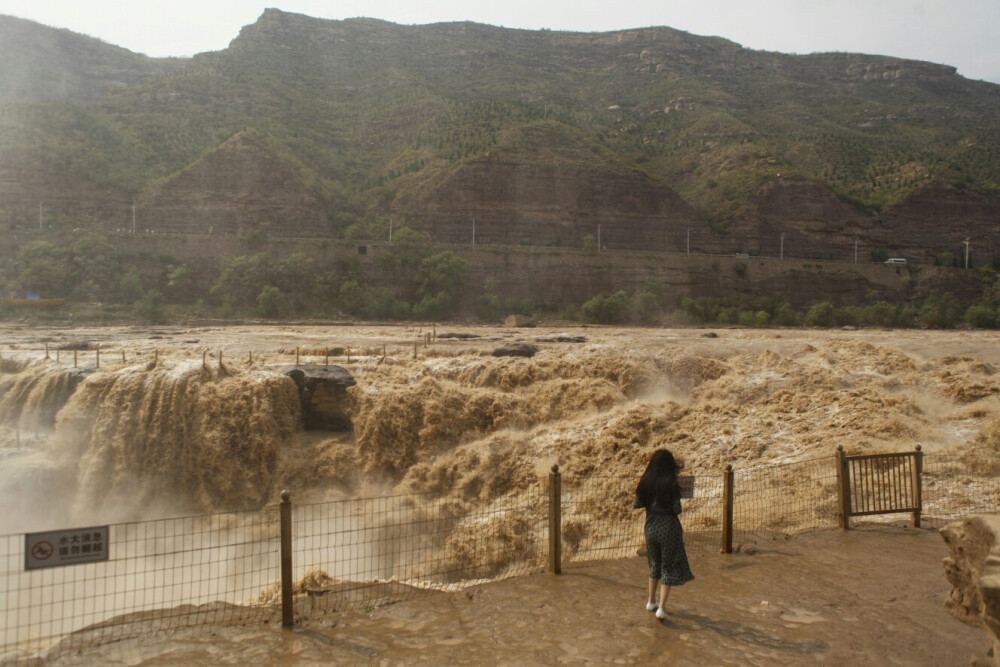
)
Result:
{"points": [[687, 486], [65, 547]]}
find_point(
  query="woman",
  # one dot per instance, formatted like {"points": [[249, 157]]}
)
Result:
{"points": [[659, 493]]}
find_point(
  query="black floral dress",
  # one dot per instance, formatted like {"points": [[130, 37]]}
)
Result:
{"points": [[665, 551]]}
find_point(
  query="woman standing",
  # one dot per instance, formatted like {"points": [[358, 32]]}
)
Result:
{"points": [[659, 493]]}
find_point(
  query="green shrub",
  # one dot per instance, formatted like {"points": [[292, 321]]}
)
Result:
{"points": [[606, 309], [981, 317], [820, 315]]}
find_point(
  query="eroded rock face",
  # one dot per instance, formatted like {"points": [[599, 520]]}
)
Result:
{"points": [[973, 569], [237, 189], [323, 390]]}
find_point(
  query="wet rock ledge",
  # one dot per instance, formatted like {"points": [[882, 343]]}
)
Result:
{"points": [[973, 569], [323, 392]]}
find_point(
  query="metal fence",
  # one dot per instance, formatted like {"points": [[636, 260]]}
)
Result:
{"points": [[361, 553], [771, 501], [957, 485], [365, 552], [159, 575]]}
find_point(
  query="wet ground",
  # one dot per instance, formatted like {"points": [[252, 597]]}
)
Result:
{"points": [[873, 596]]}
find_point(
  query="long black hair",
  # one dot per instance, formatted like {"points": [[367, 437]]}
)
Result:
{"points": [[658, 485]]}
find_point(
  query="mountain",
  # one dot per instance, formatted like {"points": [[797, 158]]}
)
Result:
{"points": [[41, 63], [649, 139]]}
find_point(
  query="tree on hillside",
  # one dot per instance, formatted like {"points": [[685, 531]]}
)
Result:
{"points": [[43, 267], [439, 281], [401, 260], [243, 278]]}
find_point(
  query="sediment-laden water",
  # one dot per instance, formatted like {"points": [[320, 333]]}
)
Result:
{"points": [[202, 420]]}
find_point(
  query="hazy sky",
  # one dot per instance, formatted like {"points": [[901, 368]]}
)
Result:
{"points": [[963, 33]]}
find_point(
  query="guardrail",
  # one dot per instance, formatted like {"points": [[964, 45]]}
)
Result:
{"points": [[285, 562]]}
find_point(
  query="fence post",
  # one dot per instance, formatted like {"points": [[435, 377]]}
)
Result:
{"points": [[843, 489], [287, 613], [727, 510], [555, 520], [918, 482]]}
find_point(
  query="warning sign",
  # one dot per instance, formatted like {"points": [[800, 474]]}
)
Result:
{"points": [[65, 547]]}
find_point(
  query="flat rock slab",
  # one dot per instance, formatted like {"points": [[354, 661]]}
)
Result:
{"points": [[312, 375], [516, 350]]}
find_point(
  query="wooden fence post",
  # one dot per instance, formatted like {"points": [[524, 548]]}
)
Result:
{"points": [[727, 510], [555, 520], [843, 489], [918, 491], [287, 612]]}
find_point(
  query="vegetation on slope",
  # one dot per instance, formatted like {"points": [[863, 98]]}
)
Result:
{"points": [[378, 112]]}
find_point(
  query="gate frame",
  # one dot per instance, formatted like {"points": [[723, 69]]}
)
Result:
{"points": [[915, 506]]}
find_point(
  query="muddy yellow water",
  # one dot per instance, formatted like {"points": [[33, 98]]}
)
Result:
{"points": [[118, 424]]}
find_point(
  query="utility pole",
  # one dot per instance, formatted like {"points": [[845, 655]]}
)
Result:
{"points": [[966, 242], [781, 255]]}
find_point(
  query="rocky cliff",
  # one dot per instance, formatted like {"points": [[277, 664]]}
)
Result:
{"points": [[973, 569], [538, 204], [237, 188]]}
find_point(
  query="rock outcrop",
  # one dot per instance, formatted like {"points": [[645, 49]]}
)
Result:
{"points": [[513, 202], [516, 350], [973, 569], [323, 392], [923, 225], [239, 187]]}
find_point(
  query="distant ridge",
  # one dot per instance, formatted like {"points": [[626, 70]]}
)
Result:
{"points": [[435, 125]]}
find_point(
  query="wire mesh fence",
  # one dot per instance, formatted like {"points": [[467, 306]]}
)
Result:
{"points": [[959, 485], [160, 575], [769, 501], [363, 553], [599, 522]]}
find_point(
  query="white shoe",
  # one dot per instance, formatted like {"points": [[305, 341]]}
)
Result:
{"points": [[650, 606], [660, 614]]}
